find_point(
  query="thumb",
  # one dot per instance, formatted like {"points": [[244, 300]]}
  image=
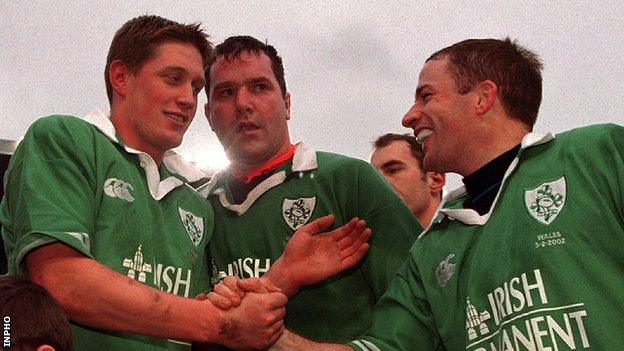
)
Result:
{"points": [[253, 285], [268, 284]]}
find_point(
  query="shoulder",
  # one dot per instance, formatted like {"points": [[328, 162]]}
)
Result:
{"points": [[592, 135], [59, 121], [58, 135], [60, 125], [331, 160], [353, 170]]}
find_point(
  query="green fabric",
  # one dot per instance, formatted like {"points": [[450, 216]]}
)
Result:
{"points": [[526, 279], [339, 309], [55, 191]]}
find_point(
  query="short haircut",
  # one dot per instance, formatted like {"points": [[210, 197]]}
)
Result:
{"points": [[137, 40], [233, 47], [515, 70], [414, 146], [35, 317]]}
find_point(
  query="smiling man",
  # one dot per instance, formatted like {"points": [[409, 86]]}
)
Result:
{"points": [[528, 255], [273, 187], [97, 210]]}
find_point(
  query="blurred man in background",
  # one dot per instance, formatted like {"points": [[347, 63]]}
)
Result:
{"points": [[399, 159]]}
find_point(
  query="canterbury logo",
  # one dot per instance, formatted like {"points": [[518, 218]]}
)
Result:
{"points": [[114, 187]]}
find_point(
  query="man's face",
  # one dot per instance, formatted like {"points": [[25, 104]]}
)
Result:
{"points": [[403, 172], [162, 98], [247, 110], [441, 118]]}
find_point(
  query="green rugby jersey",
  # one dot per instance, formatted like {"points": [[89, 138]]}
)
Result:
{"points": [[250, 236], [542, 270], [71, 181]]}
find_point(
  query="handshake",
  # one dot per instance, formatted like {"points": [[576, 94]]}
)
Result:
{"points": [[253, 309]]}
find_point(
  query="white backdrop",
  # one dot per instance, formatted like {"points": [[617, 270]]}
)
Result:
{"points": [[351, 67]]}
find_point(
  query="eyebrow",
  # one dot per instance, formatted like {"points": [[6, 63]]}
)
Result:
{"points": [[253, 80], [184, 71], [222, 85], [392, 163]]}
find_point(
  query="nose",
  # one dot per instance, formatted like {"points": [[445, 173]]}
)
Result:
{"points": [[411, 117], [187, 98], [243, 100]]}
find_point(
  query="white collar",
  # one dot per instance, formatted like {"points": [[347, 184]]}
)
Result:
{"points": [[304, 160], [470, 216], [172, 161]]}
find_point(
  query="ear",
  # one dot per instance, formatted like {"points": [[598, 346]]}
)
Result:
{"points": [[287, 103], [487, 92], [435, 181], [207, 113], [45, 348], [118, 74]]}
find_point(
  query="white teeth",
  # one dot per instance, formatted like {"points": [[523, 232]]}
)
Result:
{"points": [[175, 117], [422, 135]]}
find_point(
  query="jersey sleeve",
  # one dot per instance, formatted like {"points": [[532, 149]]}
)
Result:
{"points": [[393, 225], [402, 319], [596, 153], [49, 190], [616, 143]]}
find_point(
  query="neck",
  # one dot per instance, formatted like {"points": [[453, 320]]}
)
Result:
{"points": [[425, 217], [124, 133], [246, 172], [492, 143]]}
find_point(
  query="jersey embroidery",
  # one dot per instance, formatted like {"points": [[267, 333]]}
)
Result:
{"points": [[136, 265], [545, 202], [193, 225], [114, 187], [475, 321], [445, 270], [519, 316], [297, 212], [216, 275]]}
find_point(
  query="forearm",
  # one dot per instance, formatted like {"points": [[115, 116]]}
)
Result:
{"points": [[293, 342], [94, 295], [281, 277]]}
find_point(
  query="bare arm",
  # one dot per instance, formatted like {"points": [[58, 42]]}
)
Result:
{"points": [[97, 296]]}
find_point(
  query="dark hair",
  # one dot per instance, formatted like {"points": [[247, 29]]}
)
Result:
{"points": [[137, 40], [233, 47], [515, 70], [36, 318], [415, 147]]}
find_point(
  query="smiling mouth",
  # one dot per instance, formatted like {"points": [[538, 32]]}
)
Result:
{"points": [[422, 135], [176, 117]]}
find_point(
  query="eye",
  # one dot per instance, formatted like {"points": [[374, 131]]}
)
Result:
{"points": [[173, 78], [426, 96], [225, 92], [259, 87], [393, 169]]}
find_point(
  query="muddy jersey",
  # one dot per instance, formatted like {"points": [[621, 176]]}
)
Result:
{"points": [[71, 181], [250, 236], [542, 270]]}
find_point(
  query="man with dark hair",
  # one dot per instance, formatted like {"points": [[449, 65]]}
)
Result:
{"points": [[98, 211], [36, 321], [398, 157], [528, 255], [273, 187]]}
